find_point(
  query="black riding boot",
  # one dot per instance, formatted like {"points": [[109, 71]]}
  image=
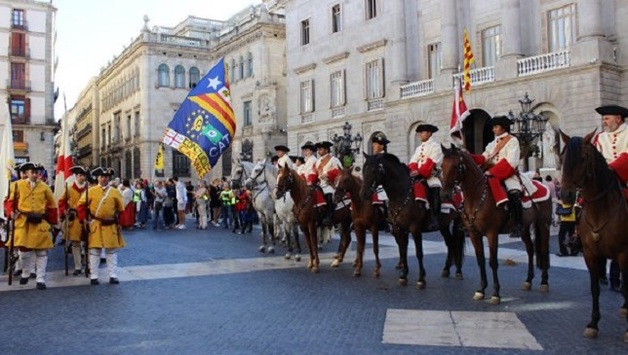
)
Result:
{"points": [[328, 220], [434, 196], [516, 211]]}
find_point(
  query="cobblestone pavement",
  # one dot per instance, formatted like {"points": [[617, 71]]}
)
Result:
{"points": [[212, 292]]}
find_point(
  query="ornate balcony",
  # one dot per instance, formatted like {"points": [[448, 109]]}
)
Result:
{"points": [[417, 88], [543, 63]]}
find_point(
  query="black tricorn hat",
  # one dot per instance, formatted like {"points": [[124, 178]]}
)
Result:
{"points": [[309, 145], [379, 139], [426, 127], [612, 110], [30, 166], [101, 171], [503, 121], [77, 169], [324, 144], [282, 148]]}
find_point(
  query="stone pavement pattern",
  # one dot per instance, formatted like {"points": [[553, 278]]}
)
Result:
{"points": [[199, 292]]}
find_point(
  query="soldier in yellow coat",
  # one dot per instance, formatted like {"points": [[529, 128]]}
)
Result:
{"points": [[100, 208], [34, 211], [67, 210]]}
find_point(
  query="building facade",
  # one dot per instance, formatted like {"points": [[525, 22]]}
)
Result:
{"points": [[387, 66], [27, 67]]}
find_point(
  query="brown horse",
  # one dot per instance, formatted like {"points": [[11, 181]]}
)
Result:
{"points": [[481, 217], [604, 220], [364, 216], [404, 213]]}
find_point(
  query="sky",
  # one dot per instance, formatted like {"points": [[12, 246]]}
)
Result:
{"points": [[91, 32]]}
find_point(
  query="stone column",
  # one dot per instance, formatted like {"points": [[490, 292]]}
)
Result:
{"points": [[589, 19], [506, 66], [399, 50], [450, 58], [591, 47]]}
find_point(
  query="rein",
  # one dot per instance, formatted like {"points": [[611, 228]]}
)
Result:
{"points": [[287, 187], [458, 181]]}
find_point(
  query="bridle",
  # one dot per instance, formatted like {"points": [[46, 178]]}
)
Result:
{"points": [[243, 176], [460, 174]]}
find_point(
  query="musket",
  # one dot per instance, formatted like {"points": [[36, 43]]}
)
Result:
{"points": [[65, 229], [11, 224], [85, 231]]}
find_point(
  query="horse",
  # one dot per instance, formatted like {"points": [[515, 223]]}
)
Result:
{"points": [[262, 203], [602, 233], [451, 228], [404, 213], [264, 172], [364, 216], [481, 217]]}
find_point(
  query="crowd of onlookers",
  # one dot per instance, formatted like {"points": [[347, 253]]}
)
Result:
{"points": [[167, 202]]}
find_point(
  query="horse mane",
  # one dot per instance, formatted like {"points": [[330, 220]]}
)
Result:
{"points": [[597, 166], [393, 160]]}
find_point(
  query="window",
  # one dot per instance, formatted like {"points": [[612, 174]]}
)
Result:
{"points": [[307, 96], [371, 9], [18, 76], [180, 164], [179, 77], [137, 163], [336, 25], [18, 110], [562, 28], [247, 114], [128, 165], [18, 136], [128, 127], [137, 123], [249, 60], [18, 44], [375, 79], [195, 77], [103, 138], [163, 75], [116, 127], [17, 19], [233, 70], [491, 45], [241, 67], [305, 32], [337, 88], [434, 59]]}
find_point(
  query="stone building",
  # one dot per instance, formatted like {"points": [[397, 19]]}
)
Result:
{"points": [[386, 66], [27, 67]]}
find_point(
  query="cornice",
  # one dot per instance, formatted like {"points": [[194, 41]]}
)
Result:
{"points": [[371, 46], [335, 58], [305, 68]]}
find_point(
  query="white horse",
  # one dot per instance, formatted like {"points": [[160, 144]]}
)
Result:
{"points": [[264, 172], [262, 202]]}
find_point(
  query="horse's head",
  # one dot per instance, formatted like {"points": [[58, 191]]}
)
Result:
{"points": [[373, 175], [344, 184], [452, 170], [578, 168], [285, 182], [238, 174], [257, 175]]}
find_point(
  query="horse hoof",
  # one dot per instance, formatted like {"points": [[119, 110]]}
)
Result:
{"points": [[420, 285], [310, 265], [262, 249], [403, 282], [287, 256], [623, 312], [544, 288], [314, 270], [335, 263], [355, 263], [495, 300], [297, 258], [399, 266], [271, 250], [526, 286], [357, 273], [478, 296], [459, 276], [591, 333], [444, 274], [376, 274]]}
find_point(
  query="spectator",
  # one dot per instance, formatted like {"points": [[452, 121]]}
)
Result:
{"points": [[169, 204], [127, 218], [567, 228], [159, 193], [141, 206], [181, 197], [189, 194], [245, 210], [201, 197], [214, 201], [227, 200]]}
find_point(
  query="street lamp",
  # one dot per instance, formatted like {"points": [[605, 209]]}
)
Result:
{"points": [[347, 145], [528, 127]]}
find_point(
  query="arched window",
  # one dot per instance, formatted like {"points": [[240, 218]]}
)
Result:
{"points": [[241, 67], [249, 60], [137, 163], [128, 165], [163, 75], [195, 77], [179, 77], [233, 70]]}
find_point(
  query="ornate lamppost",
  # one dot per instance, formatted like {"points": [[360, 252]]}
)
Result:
{"points": [[528, 127], [347, 145]]}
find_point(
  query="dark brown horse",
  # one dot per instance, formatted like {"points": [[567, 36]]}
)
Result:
{"points": [[404, 213], [481, 217], [604, 221], [364, 216]]}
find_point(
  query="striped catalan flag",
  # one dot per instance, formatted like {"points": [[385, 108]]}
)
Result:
{"points": [[204, 125], [468, 59]]}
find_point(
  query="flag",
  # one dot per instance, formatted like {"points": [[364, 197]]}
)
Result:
{"points": [[159, 159], [204, 125], [7, 156], [468, 59], [458, 115], [64, 160]]}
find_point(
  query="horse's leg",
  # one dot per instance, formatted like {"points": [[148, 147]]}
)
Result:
{"points": [[287, 239], [444, 221], [401, 238], [418, 245], [314, 247], [527, 241], [308, 240], [493, 244], [271, 234], [478, 245], [593, 264], [360, 236], [345, 241], [623, 265], [542, 251], [375, 236], [295, 233], [262, 219], [459, 243]]}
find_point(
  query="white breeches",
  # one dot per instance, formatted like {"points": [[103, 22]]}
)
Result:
{"points": [[94, 262]]}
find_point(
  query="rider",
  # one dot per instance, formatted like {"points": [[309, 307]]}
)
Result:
{"points": [[309, 158], [425, 163], [284, 159], [326, 170], [379, 145], [502, 157], [613, 142]]}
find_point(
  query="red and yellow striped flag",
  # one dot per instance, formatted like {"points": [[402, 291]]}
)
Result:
{"points": [[468, 59]]}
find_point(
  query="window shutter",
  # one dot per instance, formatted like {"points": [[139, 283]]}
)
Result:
{"points": [[313, 97], [343, 99], [382, 82], [27, 110]]}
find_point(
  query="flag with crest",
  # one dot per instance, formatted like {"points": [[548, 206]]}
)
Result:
{"points": [[468, 59], [459, 113], [204, 125], [7, 156]]}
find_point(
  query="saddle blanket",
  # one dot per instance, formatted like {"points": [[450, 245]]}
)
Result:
{"points": [[539, 192]]}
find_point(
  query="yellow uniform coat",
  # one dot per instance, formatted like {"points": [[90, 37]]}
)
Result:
{"points": [[101, 236], [73, 195], [32, 200]]}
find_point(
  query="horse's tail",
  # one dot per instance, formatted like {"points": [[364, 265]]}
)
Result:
{"points": [[542, 256]]}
